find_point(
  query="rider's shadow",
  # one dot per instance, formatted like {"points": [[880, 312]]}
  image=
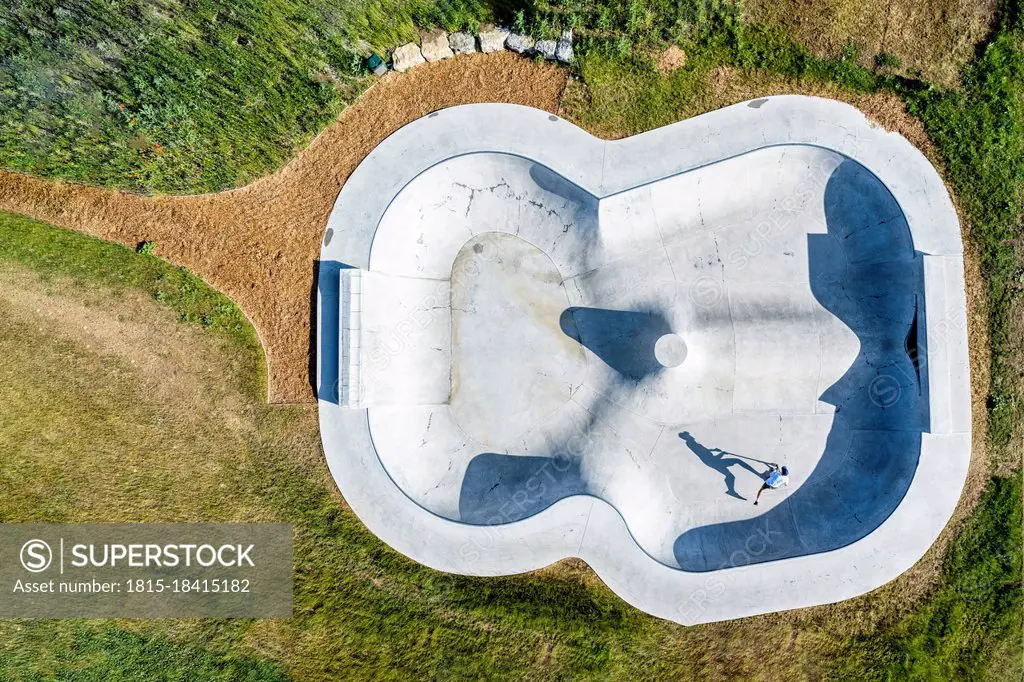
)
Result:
{"points": [[721, 461]]}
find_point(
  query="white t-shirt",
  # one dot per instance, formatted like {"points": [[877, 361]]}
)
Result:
{"points": [[776, 480]]}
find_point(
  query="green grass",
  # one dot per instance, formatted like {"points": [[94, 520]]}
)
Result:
{"points": [[978, 605], [626, 94], [161, 96], [94, 652], [186, 97], [93, 262]]}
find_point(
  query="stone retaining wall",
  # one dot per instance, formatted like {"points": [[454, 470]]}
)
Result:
{"points": [[437, 45]]}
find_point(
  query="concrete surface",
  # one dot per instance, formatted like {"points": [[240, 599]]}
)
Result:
{"points": [[559, 346]]}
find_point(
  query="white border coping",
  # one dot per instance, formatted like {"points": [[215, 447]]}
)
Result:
{"points": [[351, 313], [587, 527]]}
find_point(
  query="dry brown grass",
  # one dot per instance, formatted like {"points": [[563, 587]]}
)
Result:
{"points": [[936, 37], [111, 389], [259, 244]]}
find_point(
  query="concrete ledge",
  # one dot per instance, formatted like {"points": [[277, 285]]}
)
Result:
{"points": [[589, 527], [349, 388]]}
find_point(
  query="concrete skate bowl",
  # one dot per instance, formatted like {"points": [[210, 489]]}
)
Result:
{"points": [[535, 344]]}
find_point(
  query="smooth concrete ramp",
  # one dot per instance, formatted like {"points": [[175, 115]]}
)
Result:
{"points": [[530, 333]]}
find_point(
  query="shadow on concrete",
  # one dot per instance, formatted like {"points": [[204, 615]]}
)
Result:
{"points": [[326, 286], [866, 273], [720, 461], [550, 181], [575, 209], [623, 339], [501, 489]]}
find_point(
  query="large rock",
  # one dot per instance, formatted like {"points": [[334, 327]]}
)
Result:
{"points": [[563, 51], [435, 46], [493, 39], [461, 43], [406, 57], [546, 48], [519, 43]]}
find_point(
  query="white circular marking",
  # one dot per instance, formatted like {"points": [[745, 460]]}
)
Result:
{"points": [[670, 350]]}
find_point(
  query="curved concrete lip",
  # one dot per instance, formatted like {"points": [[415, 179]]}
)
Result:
{"points": [[535, 344]]}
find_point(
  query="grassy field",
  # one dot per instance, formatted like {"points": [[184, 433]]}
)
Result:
{"points": [[933, 41], [127, 380], [166, 96]]}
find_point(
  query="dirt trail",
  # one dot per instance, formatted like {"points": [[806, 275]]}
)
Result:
{"points": [[258, 244]]}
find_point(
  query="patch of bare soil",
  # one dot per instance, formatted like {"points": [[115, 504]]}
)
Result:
{"points": [[259, 244], [670, 59]]}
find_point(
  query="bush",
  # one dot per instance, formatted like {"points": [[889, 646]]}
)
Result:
{"points": [[884, 60]]}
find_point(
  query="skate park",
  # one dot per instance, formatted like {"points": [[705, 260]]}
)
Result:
{"points": [[535, 344]]}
